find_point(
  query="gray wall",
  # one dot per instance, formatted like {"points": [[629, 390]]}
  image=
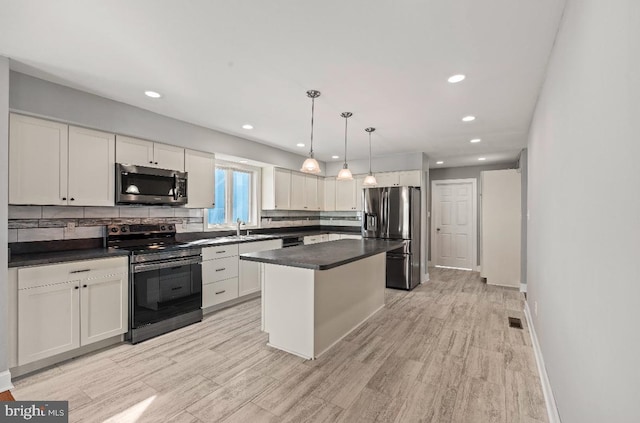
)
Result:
{"points": [[4, 199], [389, 163], [42, 98], [465, 172], [584, 206], [524, 175]]}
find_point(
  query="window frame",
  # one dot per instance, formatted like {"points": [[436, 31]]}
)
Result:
{"points": [[254, 199]]}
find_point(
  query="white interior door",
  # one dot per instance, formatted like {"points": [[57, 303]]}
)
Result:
{"points": [[454, 217]]}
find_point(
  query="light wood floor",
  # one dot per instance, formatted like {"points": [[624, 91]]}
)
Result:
{"points": [[441, 353]]}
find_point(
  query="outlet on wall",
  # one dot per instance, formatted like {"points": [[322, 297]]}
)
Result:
{"points": [[71, 227], [535, 308]]}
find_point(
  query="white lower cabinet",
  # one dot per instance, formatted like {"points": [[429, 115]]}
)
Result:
{"points": [[65, 306], [343, 236], [219, 274], [250, 279], [315, 239], [219, 292], [225, 277]]}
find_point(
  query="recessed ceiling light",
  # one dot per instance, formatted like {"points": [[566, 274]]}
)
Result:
{"points": [[456, 78], [247, 126], [300, 144], [475, 140], [439, 162], [468, 118], [482, 159], [244, 161], [335, 157], [152, 94]]}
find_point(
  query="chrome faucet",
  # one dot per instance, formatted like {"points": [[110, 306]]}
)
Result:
{"points": [[239, 222]]}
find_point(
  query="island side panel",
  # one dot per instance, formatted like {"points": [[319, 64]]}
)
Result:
{"points": [[288, 308], [345, 297]]}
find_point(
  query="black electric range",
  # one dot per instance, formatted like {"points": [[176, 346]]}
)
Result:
{"points": [[165, 279]]}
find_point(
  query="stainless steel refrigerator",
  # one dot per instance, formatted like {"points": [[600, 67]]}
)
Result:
{"points": [[394, 213]]}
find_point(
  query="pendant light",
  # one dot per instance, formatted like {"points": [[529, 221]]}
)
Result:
{"points": [[345, 173], [369, 180], [311, 164]]}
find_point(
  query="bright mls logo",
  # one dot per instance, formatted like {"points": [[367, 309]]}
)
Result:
{"points": [[35, 411]]}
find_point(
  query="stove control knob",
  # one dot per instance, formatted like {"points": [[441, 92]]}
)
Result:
{"points": [[123, 229], [170, 227], [114, 230], [163, 228]]}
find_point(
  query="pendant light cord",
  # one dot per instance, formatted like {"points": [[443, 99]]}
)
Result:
{"points": [[345, 140], [369, 153], [313, 103]]}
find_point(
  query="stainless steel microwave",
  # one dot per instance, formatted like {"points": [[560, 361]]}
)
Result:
{"points": [[147, 185]]}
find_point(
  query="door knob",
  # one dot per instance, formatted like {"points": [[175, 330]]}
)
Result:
{"points": [[438, 229]]}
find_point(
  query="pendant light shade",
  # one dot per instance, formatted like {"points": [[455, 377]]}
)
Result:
{"points": [[370, 180], [345, 173], [311, 165]]}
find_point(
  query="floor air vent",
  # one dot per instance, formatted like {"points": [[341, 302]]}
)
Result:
{"points": [[514, 322]]}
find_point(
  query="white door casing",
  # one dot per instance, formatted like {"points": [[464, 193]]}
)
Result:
{"points": [[453, 228]]}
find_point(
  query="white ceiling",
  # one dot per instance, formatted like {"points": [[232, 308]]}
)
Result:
{"points": [[221, 64]]}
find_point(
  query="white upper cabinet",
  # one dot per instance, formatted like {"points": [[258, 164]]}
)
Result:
{"points": [[410, 178], [311, 193], [134, 151], [394, 179], [298, 197], [387, 179], [346, 195], [168, 157], [37, 161], [139, 152], [359, 191], [329, 194], [91, 167], [55, 164], [201, 169], [276, 189]]}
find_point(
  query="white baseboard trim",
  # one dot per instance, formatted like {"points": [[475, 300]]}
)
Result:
{"points": [[523, 287], [5, 381], [550, 402], [426, 278], [478, 268]]}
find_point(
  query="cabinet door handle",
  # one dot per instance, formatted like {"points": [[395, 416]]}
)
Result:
{"points": [[221, 292], [76, 287], [64, 198], [220, 252], [72, 199], [84, 286], [155, 163], [81, 271], [150, 161], [220, 270]]}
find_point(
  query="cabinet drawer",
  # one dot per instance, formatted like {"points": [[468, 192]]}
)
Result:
{"points": [[219, 269], [31, 277], [219, 292], [211, 253]]}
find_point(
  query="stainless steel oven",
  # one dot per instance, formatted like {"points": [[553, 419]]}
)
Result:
{"points": [[147, 185], [166, 292]]}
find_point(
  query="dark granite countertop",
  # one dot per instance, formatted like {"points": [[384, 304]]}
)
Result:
{"points": [[325, 255], [34, 259], [83, 250]]}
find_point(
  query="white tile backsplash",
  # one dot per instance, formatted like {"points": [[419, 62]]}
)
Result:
{"points": [[59, 212], [134, 212], [40, 234], [12, 235], [189, 227], [162, 212], [25, 212], [182, 212], [81, 232], [101, 212]]}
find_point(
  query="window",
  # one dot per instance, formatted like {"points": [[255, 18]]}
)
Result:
{"points": [[235, 196]]}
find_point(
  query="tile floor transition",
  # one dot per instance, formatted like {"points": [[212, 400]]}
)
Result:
{"points": [[441, 353]]}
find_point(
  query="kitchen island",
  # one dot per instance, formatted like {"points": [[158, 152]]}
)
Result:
{"points": [[314, 295]]}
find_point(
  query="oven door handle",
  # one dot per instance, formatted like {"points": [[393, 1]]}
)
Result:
{"points": [[145, 267]]}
